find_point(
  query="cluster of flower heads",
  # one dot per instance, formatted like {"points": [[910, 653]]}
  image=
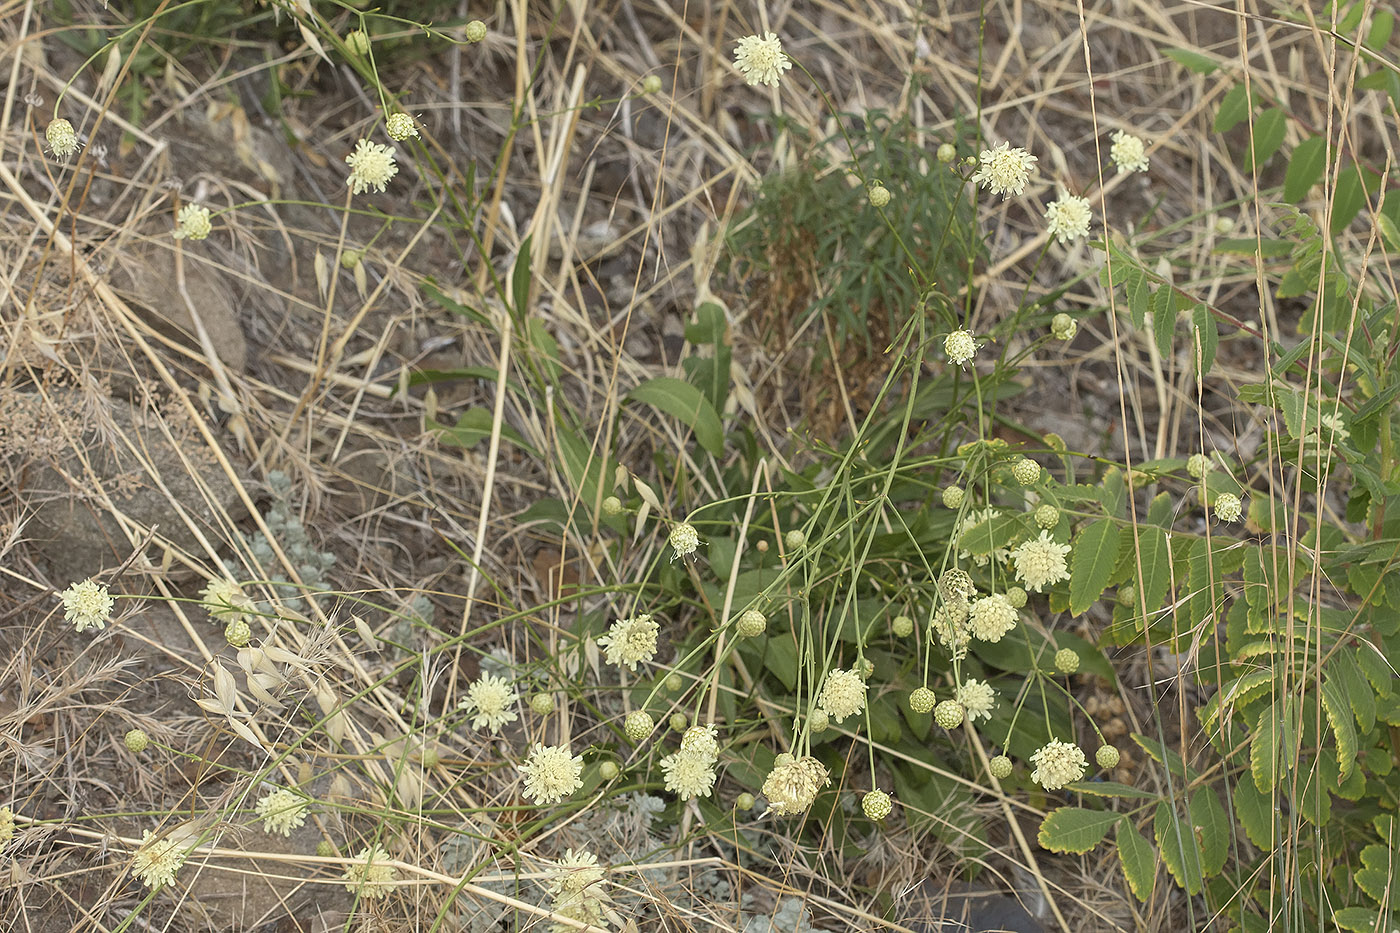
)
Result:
{"points": [[576, 887], [690, 771]]}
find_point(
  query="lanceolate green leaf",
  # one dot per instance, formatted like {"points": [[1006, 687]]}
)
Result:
{"points": [[1075, 829], [1212, 828], [1138, 858], [1177, 844], [1205, 338], [1092, 558], [1304, 168], [684, 401], [1156, 565], [1256, 814], [1334, 703]]}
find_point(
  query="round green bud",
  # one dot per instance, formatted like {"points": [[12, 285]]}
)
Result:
{"points": [[866, 668], [879, 195], [608, 770], [1000, 767], [357, 43], [902, 626], [956, 585], [1066, 660], [819, 720], [430, 757], [1016, 597], [949, 714], [679, 722], [953, 496], [795, 539], [922, 700], [1026, 471], [751, 623], [542, 704], [326, 849], [744, 801], [1224, 225], [136, 741], [675, 682], [1047, 516], [638, 725], [947, 153], [1107, 756], [877, 805], [1063, 327], [612, 505], [238, 633], [475, 31], [351, 258], [1127, 594], [1197, 465], [651, 84]]}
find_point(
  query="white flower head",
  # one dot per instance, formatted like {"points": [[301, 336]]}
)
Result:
{"points": [[793, 783], [977, 698], [282, 811], [551, 773], [225, 600], [761, 60], [1041, 562], [371, 166], [400, 126], [950, 625], [702, 742], [843, 694], [1004, 170], [684, 539], [62, 138], [192, 222], [1228, 507], [491, 702], [1129, 153], [576, 886], [1068, 218], [630, 641], [1058, 764], [87, 605], [159, 857], [688, 775], [991, 617], [960, 346], [370, 875]]}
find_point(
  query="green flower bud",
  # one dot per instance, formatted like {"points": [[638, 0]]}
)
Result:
{"points": [[325, 849], [877, 805], [1026, 471], [638, 725], [922, 700], [357, 43], [1000, 767], [542, 704], [612, 505], [1047, 516], [947, 153], [136, 741], [902, 626], [879, 195], [1063, 327], [744, 801], [953, 496], [475, 31], [238, 633], [679, 722], [949, 714], [651, 84], [819, 719], [1016, 597], [608, 770], [1107, 756], [675, 682], [1066, 660], [794, 539], [751, 623]]}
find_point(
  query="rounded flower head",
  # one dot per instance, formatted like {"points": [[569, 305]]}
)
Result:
{"points": [[1129, 153], [751, 623], [949, 714], [793, 783], [62, 139], [7, 826], [1004, 170], [1000, 767], [922, 700], [238, 633], [1041, 562], [1058, 764], [192, 222], [688, 775], [946, 153], [400, 126], [1107, 757], [551, 773], [630, 641], [475, 31], [1066, 660], [819, 720], [956, 586], [902, 626], [371, 166], [612, 505], [953, 497], [977, 698], [282, 811], [702, 742], [991, 617], [87, 605], [1197, 465], [357, 43], [950, 624], [136, 741], [879, 195], [1026, 471], [877, 805], [490, 701], [225, 600], [577, 870], [1047, 516], [159, 857], [744, 801], [761, 61], [1067, 218], [684, 539], [651, 84], [1228, 507], [1063, 327], [1016, 597], [960, 346], [542, 704], [371, 875], [794, 539], [638, 725], [843, 694]]}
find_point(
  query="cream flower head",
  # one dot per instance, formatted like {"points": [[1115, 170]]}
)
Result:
{"points": [[1129, 153], [62, 139], [978, 699], [1041, 562], [684, 539], [491, 702], [87, 605], [1228, 507], [1058, 764], [282, 811], [761, 61], [159, 857], [1004, 170], [225, 600], [960, 346], [370, 875], [950, 624], [793, 783], [371, 166], [1068, 218], [551, 773], [702, 742], [991, 617], [843, 694], [192, 222], [400, 126], [630, 641], [688, 775]]}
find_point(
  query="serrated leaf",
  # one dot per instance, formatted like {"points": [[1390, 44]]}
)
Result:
{"points": [[1163, 318], [1357, 919], [1192, 60], [1339, 718], [1212, 828], [1238, 693], [1380, 878], [1156, 565], [1264, 749], [1304, 168], [1205, 338], [1256, 814], [1111, 789], [1138, 858], [1075, 829], [1165, 756], [687, 403], [1139, 293], [1178, 846], [1234, 107], [1358, 691], [1092, 560]]}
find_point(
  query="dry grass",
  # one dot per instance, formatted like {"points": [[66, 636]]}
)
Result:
{"points": [[152, 386]]}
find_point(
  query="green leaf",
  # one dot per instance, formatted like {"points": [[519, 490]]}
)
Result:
{"points": [[1212, 828], [1178, 847], [1234, 107], [1256, 814], [1139, 294], [1264, 748], [1205, 335], [1348, 199], [1110, 789], [472, 427], [1092, 559], [1389, 232], [1339, 718], [1357, 919], [1192, 60], [1304, 168], [1156, 565], [1165, 756], [1164, 318], [1380, 879], [781, 659], [1268, 136], [682, 400], [1075, 829], [520, 282], [1138, 858]]}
